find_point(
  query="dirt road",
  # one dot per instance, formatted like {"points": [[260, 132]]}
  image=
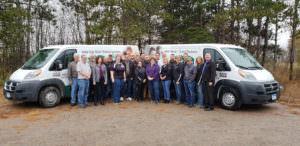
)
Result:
{"points": [[133, 123]]}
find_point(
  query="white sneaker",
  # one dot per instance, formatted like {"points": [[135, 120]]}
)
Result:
{"points": [[121, 99], [129, 99]]}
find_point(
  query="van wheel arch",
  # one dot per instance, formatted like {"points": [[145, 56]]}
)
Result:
{"points": [[229, 97], [49, 96], [55, 83]]}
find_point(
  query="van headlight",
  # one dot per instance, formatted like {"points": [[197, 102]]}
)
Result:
{"points": [[33, 74], [246, 75]]}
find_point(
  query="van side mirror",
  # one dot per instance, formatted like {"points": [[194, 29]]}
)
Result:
{"points": [[58, 65], [220, 65]]}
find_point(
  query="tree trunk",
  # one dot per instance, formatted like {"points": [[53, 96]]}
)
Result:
{"points": [[276, 43], [238, 37], [232, 40], [258, 41], [266, 40], [294, 29], [28, 31]]}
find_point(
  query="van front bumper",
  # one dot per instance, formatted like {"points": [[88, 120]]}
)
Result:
{"points": [[21, 91], [259, 92]]}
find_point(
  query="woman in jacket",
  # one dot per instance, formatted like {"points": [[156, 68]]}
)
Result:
{"points": [[99, 80], [118, 77], [166, 77], [152, 72], [200, 62], [140, 77]]}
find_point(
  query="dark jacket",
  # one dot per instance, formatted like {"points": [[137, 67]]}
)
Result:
{"points": [[166, 71], [140, 75], [199, 73], [178, 70], [209, 72], [132, 66]]}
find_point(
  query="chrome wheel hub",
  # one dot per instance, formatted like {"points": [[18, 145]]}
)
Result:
{"points": [[51, 97], [228, 99]]}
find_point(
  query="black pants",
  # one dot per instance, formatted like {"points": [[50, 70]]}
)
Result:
{"points": [[140, 89], [99, 91], [208, 95]]}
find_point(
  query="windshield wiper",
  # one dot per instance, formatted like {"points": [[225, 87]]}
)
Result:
{"points": [[243, 67], [255, 67], [29, 67]]}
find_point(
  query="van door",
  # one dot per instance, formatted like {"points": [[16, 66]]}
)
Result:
{"points": [[59, 68], [221, 65]]}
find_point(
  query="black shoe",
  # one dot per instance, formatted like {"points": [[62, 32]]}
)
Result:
{"points": [[73, 104], [190, 106], [95, 103], [101, 102], [207, 109], [212, 108]]}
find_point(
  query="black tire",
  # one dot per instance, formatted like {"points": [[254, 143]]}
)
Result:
{"points": [[49, 97], [230, 98]]}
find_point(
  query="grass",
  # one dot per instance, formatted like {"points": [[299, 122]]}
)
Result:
{"points": [[290, 91]]}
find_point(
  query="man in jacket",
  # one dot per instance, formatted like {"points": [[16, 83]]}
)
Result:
{"points": [[208, 80], [190, 73], [73, 78]]}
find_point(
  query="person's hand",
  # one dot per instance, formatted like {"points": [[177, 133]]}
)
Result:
{"points": [[124, 79], [113, 80], [210, 83], [94, 83], [177, 83], [70, 82], [105, 83], [131, 78], [144, 81]]}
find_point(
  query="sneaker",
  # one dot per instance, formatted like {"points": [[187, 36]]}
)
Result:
{"points": [[129, 99], [121, 99]]}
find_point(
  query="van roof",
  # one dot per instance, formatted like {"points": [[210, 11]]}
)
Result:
{"points": [[215, 45], [81, 46]]}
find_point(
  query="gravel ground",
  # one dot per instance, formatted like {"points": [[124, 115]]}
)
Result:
{"points": [[133, 123]]}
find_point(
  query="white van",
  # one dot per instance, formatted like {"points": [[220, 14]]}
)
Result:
{"points": [[240, 79], [44, 79]]}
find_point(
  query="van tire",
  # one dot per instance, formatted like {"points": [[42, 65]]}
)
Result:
{"points": [[230, 98], [49, 97]]}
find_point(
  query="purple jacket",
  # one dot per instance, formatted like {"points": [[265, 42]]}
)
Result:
{"points": [[153, 71]]}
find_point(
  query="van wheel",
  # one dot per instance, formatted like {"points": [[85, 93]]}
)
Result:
{"points": [[49, 97], [230, 99]]}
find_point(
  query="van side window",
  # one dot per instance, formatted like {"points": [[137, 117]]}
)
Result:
{"points": [[64, 59], [211, 52], [218, 59]]}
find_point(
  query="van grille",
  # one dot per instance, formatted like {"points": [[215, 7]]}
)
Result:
{"points": [[271, 88], [10, 86]]}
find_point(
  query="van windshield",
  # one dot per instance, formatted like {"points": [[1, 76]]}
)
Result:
{"points": [[39, 59], [241, 58]]}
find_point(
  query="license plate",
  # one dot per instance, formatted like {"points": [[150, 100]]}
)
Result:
{"points": [[274, 96], [8, 95]]}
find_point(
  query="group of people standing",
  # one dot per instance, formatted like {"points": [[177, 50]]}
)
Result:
{"points": [[133, 75]]}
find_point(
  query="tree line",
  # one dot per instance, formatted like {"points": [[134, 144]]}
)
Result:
{"points": [[27, 25]]}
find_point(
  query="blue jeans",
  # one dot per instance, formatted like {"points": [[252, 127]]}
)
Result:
{"points": [[154, 90], [131, 87], [200, 95], [83, 91], [74, 89], [118, 87], [166, 87], [178, 91], [189, 92]]}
